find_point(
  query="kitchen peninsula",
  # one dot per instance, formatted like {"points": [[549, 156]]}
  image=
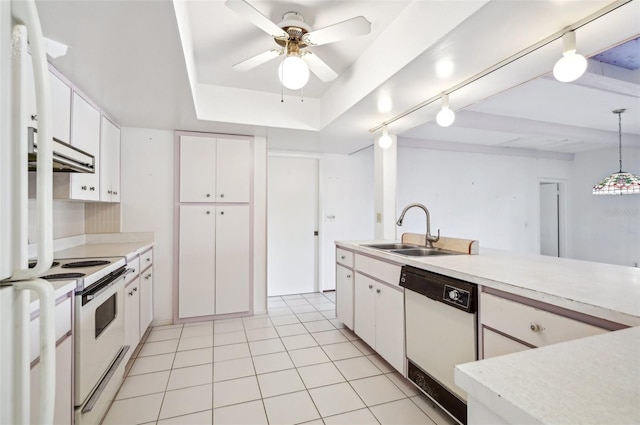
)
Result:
{"points": [[552, 300]]}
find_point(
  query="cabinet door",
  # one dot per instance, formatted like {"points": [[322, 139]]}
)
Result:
{"points": [[233, 171], [146, 300], [61, 103], [232, 259], [390, 325], [344, 295], [364, 317], [197, 169], [494, 344], [109, 161], [85, 135], [132, 315], [64, 371], [197, 267]]}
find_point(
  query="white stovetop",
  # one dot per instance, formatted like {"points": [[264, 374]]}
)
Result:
{"points": [[601, 290]]}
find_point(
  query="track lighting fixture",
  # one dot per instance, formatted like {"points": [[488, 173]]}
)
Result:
{"points": [[446, 116], [385, 140], [571, 65]]}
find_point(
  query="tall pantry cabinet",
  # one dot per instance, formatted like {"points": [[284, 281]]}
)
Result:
{"points": [[214, 200]]}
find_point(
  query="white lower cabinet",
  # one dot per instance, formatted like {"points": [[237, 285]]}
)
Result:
{"points": [[379, 318], [146, 300], [132, 316], [214, 260], [344, 295]]}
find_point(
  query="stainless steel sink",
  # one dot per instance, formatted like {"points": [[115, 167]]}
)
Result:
{"points": [[423, 252], [390, 246]]}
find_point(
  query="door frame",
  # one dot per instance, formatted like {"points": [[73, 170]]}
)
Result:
{"points": [[562, 213], [319, 239]]}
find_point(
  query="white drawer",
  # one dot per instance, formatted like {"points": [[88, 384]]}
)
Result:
{"points": [[146, 259], [344, 257], [529, 324], [494, 344], [386, 272], [135, 266], [63, 325]]}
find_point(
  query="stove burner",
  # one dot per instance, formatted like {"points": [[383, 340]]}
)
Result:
{"points": [[87, 263], [32, 264], [63, 276]]}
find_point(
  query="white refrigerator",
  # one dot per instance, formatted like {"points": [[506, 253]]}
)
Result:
{"points": [[19, 32]]}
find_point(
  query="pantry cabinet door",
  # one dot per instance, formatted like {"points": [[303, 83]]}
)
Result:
{"points": [[233, 173], [197, 268], [232, 259], [197, 169]]}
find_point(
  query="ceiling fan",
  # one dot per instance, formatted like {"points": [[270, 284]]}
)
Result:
{"points": [[294, 38]]}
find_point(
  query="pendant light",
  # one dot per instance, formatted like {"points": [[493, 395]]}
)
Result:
{"points": [[620, 183], [446, 116], [385, 140], [571, 65]]}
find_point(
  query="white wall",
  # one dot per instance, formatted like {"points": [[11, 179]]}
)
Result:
{"points": [[490, 198], [604, 229], [346, 193], [147, 204]]}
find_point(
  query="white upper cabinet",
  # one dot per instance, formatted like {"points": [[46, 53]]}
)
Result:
{"points": [[214, 169], [61, 102], [109, 161], [233, 170], [197, 169], [85, 135]]}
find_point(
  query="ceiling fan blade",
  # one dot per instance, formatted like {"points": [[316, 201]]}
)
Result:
{"points": [[318, 67], [350, 28], [257, 60], [252, 14]]}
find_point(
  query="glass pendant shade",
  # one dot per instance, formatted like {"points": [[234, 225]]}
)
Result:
{"points": [[571, 65], [446, 116], [385, 140], [620, 183], [293, 73]]}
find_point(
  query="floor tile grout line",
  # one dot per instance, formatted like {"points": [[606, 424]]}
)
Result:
{"points": [[168, 380]]}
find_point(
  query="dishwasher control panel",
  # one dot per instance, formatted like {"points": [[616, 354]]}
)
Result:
{"points": [[456, 296]]}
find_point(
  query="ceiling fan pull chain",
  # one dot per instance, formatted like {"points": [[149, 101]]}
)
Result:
{"points": [[302, 94]]}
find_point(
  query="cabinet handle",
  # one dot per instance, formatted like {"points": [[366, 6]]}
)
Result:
{"points": [[208, 212], [370, 286], [343, 257], [130, 292], [34, 117], [148, 260], [221, 212], [92, 188], [147, 276], [378, 291], [83, 187], [222, 195], [208, 195], [109, 192], [348, 276], [135, 289], [535, 327], [115, 193]]}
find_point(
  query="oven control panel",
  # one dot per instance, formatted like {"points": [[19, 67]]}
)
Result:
{"points": [[456, 296]]}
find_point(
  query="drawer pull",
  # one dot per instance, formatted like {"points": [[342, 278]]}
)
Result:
{"points": [[370, 286], [343, 257], [535, 327], [348, 276], [378, 291]]}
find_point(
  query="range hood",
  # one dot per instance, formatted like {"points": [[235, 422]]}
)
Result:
{"points": [[66, 158]]}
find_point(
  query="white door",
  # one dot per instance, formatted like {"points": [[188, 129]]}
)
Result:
{"points": [[197, 169], [85, 135], [364, 309], [549, 218], [233, 170], [344, 295], [292, 220]]}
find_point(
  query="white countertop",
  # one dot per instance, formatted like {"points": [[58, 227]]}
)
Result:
{"points": [[601, 290], [594, 380], [119, 249]]}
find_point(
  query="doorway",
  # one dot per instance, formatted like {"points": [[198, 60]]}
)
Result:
{"points": [[292, 225], [550, 219]]}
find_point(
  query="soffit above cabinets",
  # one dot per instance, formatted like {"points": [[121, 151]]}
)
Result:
{"points": [[166, 64]]}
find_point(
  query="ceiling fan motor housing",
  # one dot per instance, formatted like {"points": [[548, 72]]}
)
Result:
{"points": [[294, 25]]}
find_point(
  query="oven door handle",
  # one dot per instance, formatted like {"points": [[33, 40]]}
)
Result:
{"points": [[93, 398], [125, 272]]}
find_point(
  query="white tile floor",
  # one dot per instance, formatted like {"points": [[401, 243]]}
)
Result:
{"points": [[297, 364]]}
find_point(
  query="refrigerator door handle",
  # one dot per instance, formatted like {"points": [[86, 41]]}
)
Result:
{"points": [[46, 297], [25, 11]]}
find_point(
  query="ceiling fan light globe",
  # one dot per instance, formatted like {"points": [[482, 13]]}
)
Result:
{"points": [[445, 117], [293, 73], [569, 67]]}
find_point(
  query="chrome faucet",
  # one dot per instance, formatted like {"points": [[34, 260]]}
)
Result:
{"points": [[428, 241]]}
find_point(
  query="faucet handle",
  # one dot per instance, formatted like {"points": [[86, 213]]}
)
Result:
{"points": [[432, 238]]}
